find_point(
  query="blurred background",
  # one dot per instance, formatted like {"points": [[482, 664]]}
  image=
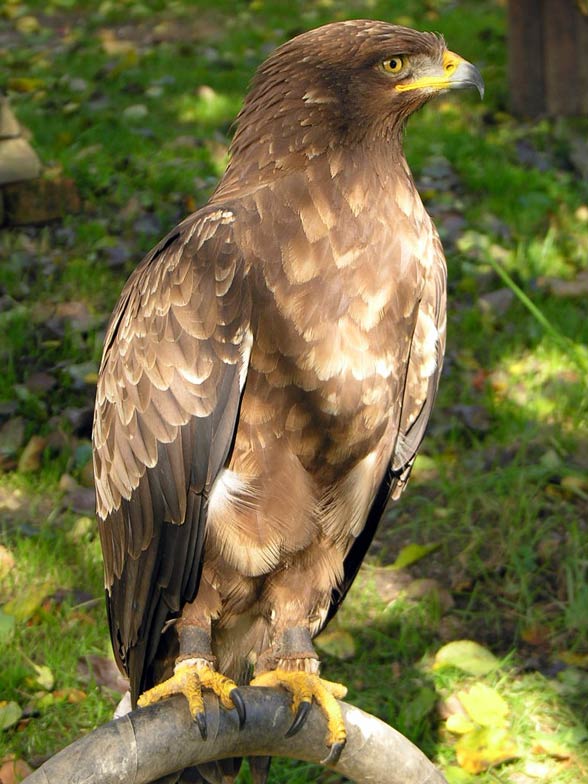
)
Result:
{"points": [[468, 626]]}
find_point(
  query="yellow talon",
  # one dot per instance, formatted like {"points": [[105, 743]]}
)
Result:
{"points": [[189, 679], [304, 687]]}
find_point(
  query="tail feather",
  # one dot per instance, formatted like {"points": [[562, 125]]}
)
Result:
{"points": [[220, 772], [260, 768]]}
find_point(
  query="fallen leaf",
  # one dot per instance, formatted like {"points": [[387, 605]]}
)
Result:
{"points": [[459, 724], [478, 750], [550, 747], [566, 288], [455, 775], [337, 643], [7, 627], [574, 659], [45, 677], [420, 705], [30, 459], [484, 705], [537, 634], [22, 607], [137, 111], [10, 713], [80, 529], [41, 382], [80, 499], [7, 562], [69, 695], [429, 588], [104, 672], [11, 435], [467, 656], [24, 84], [413, 553], [559, 745], [13, 771]]}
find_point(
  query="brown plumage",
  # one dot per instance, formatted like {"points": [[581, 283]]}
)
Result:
{"points": [[270, 368]]}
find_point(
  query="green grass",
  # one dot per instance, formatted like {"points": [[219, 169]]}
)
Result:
{"points": [[143, 127]]}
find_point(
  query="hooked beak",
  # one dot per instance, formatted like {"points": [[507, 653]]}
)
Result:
{"points": [[454, 73]]}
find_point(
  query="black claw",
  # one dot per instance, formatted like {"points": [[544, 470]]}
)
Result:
{"points": [[332, 757], [299, 719], [200, 719], [239, 706]]}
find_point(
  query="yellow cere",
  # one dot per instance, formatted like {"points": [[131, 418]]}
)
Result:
{"points": [[435, 81]]}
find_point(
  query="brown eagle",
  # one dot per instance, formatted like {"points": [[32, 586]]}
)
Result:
{"points": [[268, 374]]}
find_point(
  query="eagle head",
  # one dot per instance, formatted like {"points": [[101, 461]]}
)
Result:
{"points": [[346, 83]]}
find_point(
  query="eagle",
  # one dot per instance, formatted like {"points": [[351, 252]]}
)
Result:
{"points": [[267, 378]]}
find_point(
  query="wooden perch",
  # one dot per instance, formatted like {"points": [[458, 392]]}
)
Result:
{"points": [[153, 742]]}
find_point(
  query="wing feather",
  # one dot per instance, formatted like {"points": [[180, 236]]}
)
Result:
{"points": [[420, 390], [175, 359]]}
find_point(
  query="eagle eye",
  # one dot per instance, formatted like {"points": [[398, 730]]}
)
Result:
{"points": [[393, 65]]}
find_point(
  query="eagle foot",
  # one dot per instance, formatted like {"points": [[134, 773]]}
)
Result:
{"points": [[190, 678], [304, 687]]}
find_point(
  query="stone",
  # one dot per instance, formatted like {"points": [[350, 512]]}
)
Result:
{"points": [[18, 161], [9, 127]]}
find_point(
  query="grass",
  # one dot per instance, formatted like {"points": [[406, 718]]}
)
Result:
{"points": [[134, 101]]}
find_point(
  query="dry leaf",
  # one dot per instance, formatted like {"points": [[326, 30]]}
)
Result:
{"points": [[70, 695], [104, 671], [7, 562], [30, 459], [13, 771]]}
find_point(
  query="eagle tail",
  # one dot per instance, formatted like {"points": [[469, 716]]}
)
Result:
{"points": [[259, 767], [219, 772]]}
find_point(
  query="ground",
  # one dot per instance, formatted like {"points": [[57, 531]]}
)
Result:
{"points": [[134, 101]]}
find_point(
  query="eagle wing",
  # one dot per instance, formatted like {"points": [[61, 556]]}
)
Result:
{"points": [[174, 365], [421, 381]]}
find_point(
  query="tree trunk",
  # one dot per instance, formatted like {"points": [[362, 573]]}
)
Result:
{"points": [[153, 742], [548, 57]]}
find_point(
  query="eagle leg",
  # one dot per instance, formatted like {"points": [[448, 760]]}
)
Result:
{"points": [[194, 672], [297, 671]]}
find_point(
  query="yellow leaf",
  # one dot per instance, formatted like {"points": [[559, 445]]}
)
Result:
{"points": [[466, 655], [459, 724], [478, 750], [338, 643], [24, 84], [455, 775], [45, 677], [413, 553], [484, 705], [24, 606], [10, 713]]}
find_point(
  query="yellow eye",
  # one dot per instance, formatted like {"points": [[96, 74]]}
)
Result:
{"points": [[394, 65]]}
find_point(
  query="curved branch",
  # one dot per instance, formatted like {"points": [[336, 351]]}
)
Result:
{"points": [[152, 742]]}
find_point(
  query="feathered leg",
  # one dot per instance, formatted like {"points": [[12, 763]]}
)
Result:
{"points": [[292, 664]]}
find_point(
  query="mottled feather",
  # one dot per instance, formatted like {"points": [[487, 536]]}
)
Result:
{"points": [[271, 366]]}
